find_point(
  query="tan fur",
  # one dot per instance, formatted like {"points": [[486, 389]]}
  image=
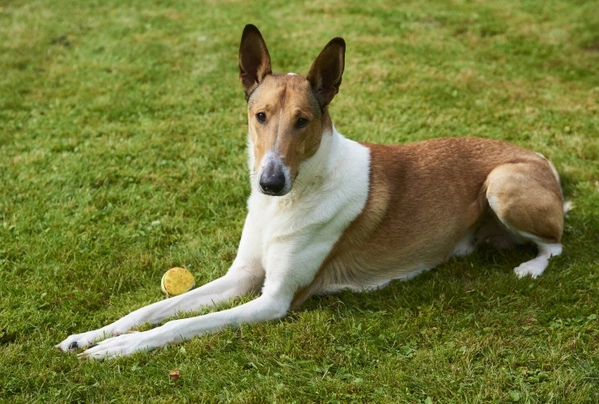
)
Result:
{"points": [[426, 196], [283, 99], [528, 198]]}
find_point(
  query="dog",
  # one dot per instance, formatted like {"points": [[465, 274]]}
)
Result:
{"points": [[327, 213]]}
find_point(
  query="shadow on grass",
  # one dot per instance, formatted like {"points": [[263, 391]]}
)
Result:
{"points": [[487, 271]]}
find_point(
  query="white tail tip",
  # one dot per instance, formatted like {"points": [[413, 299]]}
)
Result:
{"points": [[568, 206]]}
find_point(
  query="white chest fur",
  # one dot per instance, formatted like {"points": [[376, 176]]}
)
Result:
{"points": [[294, 233]]}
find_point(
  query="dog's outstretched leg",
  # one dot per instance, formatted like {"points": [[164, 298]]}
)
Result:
{"points": [[245, 275], [235, 283], [264, 308]]}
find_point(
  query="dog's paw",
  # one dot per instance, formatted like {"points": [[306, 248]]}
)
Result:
{"points": [[532, 268], [79, 341], [123, 345]]}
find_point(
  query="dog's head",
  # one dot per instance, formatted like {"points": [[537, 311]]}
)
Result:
{"points": [[287, 113]]}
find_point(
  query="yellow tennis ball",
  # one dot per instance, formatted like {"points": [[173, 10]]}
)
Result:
{"points": [[177, 281]]}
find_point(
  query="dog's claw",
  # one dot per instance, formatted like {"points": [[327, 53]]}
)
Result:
{"points": [[73, 345], [82, 355]]}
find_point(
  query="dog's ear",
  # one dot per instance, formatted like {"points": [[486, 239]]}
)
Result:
{"points": [[254, 60], [327, 70]]}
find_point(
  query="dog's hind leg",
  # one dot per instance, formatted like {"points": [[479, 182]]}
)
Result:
{"points": [[527, 199], [537, 265]]}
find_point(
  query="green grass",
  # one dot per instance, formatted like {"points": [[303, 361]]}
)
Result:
{"points": [[122, 154]]}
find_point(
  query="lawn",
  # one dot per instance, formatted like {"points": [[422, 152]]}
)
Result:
{"points": [[122, 154]]}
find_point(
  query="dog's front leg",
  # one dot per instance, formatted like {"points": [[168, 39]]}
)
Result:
{"points": [[235, 283], [264, 308], [245, 275], [288, 268]]}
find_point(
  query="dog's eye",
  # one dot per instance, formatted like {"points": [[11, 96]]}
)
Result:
{"points": [[261, 117], [301, 123]]}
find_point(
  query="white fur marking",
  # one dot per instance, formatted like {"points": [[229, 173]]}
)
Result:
{"points": [[537, 265], [568, 206]]}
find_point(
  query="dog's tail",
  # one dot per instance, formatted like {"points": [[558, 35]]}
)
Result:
{"points": [[568, 206]]}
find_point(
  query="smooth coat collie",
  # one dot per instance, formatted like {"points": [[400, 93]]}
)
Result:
{"points": [[327, 213]]}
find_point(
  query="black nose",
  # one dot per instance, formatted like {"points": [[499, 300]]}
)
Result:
{"points": [[272, 180]]}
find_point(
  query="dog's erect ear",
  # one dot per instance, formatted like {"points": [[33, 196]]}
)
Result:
{"points": [[326, 71], [254, 60]]}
